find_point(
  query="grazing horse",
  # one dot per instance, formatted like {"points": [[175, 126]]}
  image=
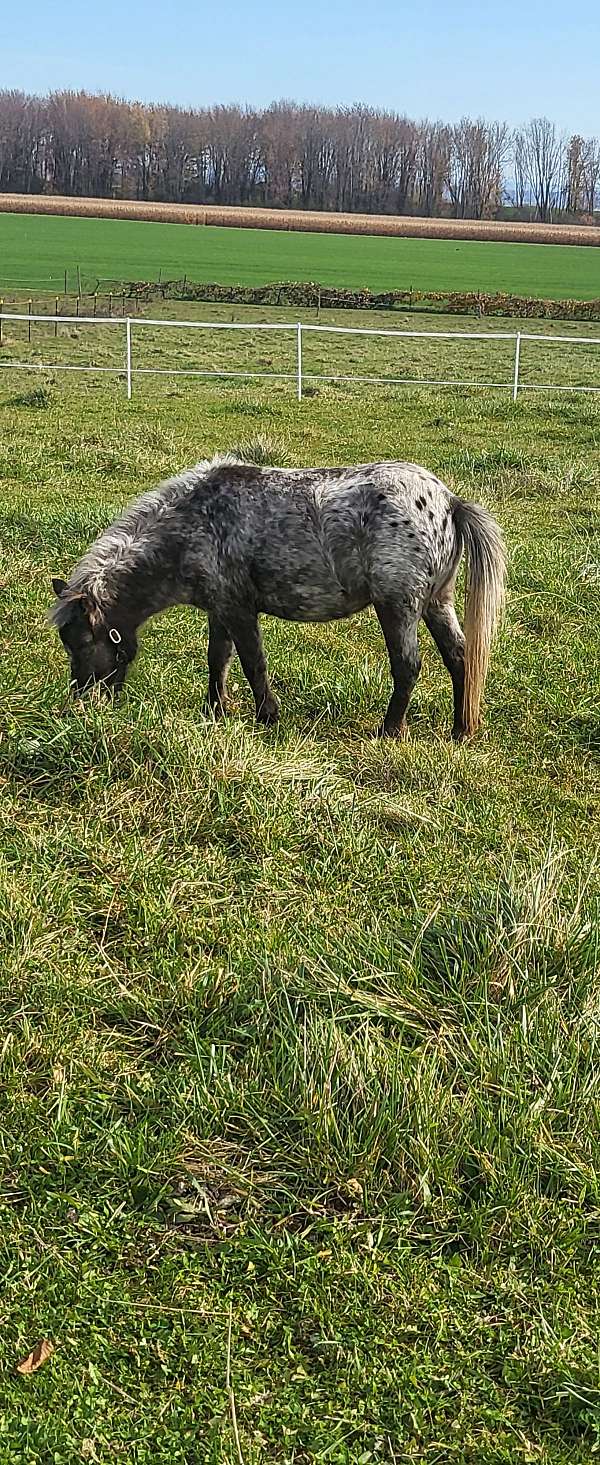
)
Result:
{"points": [[305, 544]]}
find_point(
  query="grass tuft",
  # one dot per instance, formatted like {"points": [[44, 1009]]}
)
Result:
{"points": [[37, 397], [262, 448]]}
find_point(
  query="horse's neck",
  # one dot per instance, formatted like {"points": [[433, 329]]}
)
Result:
{"points": [[142, 607], [143, 594], [135, 566]]}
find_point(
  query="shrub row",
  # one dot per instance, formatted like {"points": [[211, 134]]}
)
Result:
{"points": [[518, 306], [312, 296]]}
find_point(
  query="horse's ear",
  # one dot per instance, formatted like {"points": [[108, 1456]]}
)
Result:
{"points": [[59, 587]]}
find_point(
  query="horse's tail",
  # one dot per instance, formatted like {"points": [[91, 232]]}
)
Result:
{"points": [[481, 538]]}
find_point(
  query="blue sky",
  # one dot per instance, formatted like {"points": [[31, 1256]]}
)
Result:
{"points": [[510, 62]]}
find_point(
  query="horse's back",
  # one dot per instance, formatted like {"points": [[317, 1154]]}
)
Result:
{"points": [[320, 544]]}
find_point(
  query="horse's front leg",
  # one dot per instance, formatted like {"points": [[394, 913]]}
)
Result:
{"points": [[248, 644], [220, 651], [399, 622]]}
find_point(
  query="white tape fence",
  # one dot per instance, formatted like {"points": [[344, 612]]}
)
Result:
{"points": [[132, 331]]}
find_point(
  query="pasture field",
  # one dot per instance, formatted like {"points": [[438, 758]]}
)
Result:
{"points": [[299, 1042], [35, 251]]}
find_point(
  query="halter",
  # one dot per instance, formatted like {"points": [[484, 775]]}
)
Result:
{"points": [[115, 636]]}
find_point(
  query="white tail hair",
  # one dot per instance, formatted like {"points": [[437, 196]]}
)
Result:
{"points": [[481, 538]]}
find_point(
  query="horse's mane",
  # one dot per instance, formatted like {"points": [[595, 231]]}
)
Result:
{"points": [[129, 542]]}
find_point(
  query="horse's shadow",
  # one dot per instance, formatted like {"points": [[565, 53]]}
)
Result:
{"points": [[54, 770]]}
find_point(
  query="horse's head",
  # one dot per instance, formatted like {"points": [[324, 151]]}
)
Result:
{"points": [[99, 650]]}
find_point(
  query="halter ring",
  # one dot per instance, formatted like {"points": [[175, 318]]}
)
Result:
{"points": [[115, 636]]}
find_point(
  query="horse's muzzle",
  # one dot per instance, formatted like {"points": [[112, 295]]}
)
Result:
{"points": [[99, 691]]}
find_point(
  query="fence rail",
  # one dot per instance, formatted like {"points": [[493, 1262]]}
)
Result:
{"points": [[297, 331]]}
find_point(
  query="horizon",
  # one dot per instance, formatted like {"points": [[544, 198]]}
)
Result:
{"points": [[515, 66]]}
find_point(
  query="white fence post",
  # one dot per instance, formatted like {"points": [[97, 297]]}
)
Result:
{"points": [[299, 358], [128, 356], [517, 361]]}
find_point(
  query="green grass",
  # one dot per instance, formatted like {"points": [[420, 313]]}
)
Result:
{"points": [[298, 1027], [36, 250]]}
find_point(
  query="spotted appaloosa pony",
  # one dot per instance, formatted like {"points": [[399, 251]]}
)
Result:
{"points": [[306, 544]]}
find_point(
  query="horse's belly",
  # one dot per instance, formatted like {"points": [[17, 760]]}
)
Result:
{"points": [[312, 605]]}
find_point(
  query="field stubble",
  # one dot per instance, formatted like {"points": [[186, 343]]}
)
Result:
{"points": [[302, 220]]}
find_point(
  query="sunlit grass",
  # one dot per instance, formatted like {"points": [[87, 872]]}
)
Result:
{"points": [[298, 1024]]}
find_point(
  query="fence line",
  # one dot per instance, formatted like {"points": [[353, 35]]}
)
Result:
{"points": [[412, 335], [297, 331], [68, 320], [216, 375], [61, 366]]}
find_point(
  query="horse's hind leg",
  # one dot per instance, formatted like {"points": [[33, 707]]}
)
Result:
{"points": [[220, 651], [443, 623], [248, 644], [398, 622]]}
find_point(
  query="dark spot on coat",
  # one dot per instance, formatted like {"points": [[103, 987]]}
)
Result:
{"points": [[420, 502]]}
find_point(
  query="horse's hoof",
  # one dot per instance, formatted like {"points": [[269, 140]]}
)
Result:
{"points": [[461, 735], [217, 710], [268, 714], [399, 731]]}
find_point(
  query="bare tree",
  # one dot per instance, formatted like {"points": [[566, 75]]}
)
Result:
{"points": [[432, 165], [475, 178], [591, 174], [354, 163], [279, 150], [21, 142], [574, 175], [408, 140], [544, 152], [317, 157], [520, 170]]}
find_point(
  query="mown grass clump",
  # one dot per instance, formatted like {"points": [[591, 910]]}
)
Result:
{"points": [[37, 397], [299, 1031]]}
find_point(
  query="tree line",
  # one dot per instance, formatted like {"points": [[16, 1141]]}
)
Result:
{"points": [[350, 159]]}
